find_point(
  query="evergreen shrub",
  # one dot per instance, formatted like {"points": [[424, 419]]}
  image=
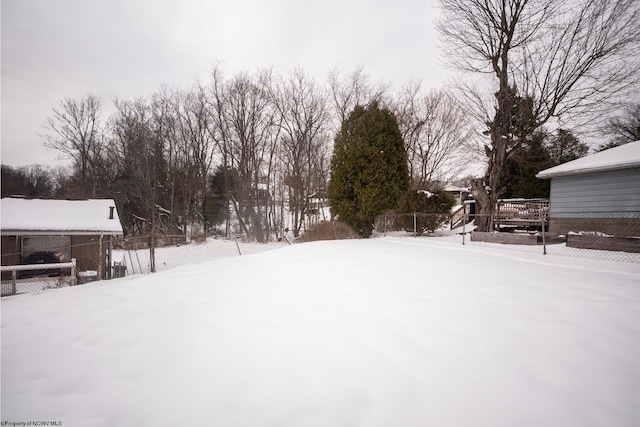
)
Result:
{"points": [[433, 209], [369, 169]]}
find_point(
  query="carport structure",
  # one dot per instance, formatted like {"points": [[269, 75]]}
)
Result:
{"points": [[70, 229]]}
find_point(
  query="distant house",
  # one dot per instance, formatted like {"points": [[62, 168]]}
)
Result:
{"points": [[316, 203], [80, 229], [459, 194], [600, 193]]}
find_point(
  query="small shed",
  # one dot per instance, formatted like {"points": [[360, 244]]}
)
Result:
{"points": [[80, 229], [597, 193]]}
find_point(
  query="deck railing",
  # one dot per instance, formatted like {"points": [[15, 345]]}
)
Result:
{"points": [[522, 212]]}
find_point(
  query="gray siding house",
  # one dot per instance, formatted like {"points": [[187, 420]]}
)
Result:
{"points": [[600, 193]]}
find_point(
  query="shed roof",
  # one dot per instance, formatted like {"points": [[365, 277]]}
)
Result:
{"points": [[621, 157], [454, 188], [40, 216]]}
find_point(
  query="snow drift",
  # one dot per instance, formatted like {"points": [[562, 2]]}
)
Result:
{"points": [[377, 332]]}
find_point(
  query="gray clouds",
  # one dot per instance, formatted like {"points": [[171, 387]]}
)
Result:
{"points": [[53, 49]]}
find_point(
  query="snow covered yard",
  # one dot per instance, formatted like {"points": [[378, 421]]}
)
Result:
{"points": [[378, 332], [137, 261]]}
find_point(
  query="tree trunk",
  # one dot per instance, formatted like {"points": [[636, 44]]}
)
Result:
{"points": [[483, 215]]}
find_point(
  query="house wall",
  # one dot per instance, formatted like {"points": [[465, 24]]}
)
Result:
{"points": [[10, 252], [86, 251], [608, 202]]}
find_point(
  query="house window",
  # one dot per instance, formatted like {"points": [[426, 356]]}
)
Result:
{"points": [[59, 245]]}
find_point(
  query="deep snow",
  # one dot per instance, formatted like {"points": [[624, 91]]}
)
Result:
{"points": [[377, 332]]}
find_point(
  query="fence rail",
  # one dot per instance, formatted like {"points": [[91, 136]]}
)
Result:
{"points": [[514, 213], [16, 285], [604, 235], [584, 235], [130, 255]]}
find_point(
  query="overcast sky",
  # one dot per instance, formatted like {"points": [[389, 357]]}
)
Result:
{"points": [[53, 49]]}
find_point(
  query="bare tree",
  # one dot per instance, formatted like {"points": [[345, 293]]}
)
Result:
{"points": [[30, 181], [623, 128], [134, 144], [303, 118], [351, 89], [551, 60], [244, 119], [173, 189], [140, 130], [76, 133], [196, 149], [435, 131]]}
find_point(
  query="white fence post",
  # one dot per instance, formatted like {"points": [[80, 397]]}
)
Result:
{"points": [[544, 242], [14, 278], [73, 272], [464, 223]]}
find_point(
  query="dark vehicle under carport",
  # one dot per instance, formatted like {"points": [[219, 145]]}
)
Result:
{"points": [[40, 258]]}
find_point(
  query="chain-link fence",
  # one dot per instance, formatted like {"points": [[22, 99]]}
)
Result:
{"points": [[146, 254], [607, 235], [44, 269], [131, 255], [21, 284]]}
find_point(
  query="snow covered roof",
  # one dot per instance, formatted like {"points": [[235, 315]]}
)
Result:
{"points": [[621, 157], [454, 188], [30, 216]]}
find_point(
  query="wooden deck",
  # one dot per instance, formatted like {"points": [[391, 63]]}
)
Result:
{"points": [[510, 214], [522, 213]]}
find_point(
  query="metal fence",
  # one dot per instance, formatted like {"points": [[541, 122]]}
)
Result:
{"points": [[608, 236], [141, 255], [26, 278], [130, 256]]}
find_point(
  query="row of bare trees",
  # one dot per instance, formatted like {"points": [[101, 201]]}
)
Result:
{"points": [[266, 138]]}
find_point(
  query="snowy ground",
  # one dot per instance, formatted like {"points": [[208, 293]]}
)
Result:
{"points": [[378, 332], [137, 261]]}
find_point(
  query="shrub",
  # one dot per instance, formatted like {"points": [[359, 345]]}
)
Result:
{"points": [[433, 209], [328, 230]]}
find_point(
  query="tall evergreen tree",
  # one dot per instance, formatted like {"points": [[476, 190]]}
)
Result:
{"points": [[536, 153], [565, 147], [520, 177], [369, 169]]}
